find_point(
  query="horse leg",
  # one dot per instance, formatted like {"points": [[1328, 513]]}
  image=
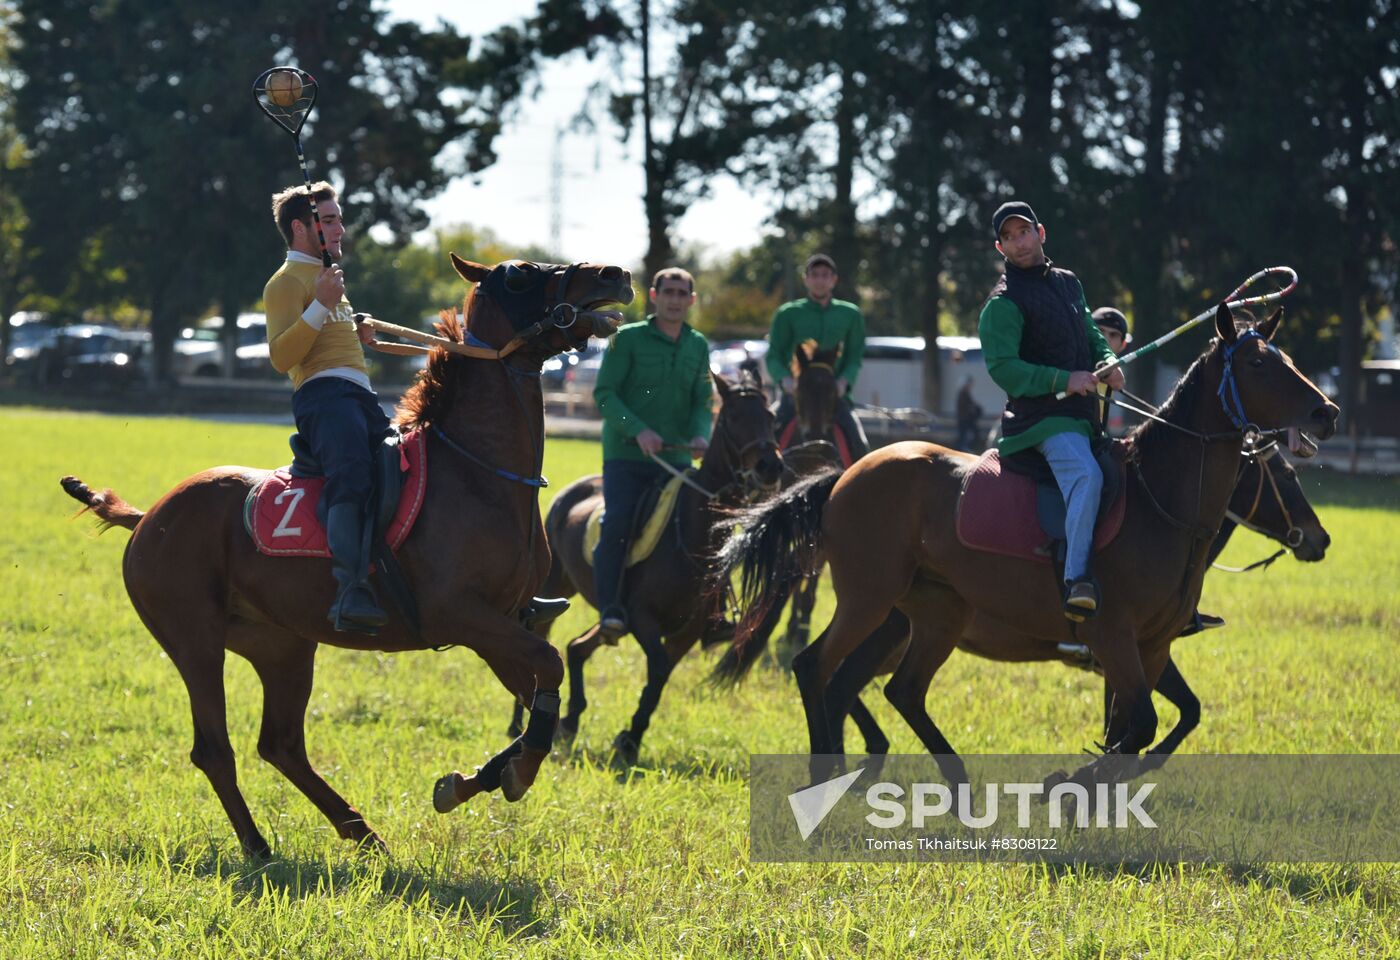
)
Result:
{"points": [[799, 629], [857, 616], [937, 617], [578, 651], [531, 669], [1172, 685], [628, 743], [286, 664], [852, 676], [202, 668], [1132, 722]]}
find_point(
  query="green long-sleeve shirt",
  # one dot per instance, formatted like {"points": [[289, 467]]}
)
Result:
{"points": [[837, 323], [999, 328], [650, 382]]}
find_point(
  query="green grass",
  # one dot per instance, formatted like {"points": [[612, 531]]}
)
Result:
{"points": [[113, 845]]}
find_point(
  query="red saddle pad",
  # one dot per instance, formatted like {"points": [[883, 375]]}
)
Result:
{"points": [[838, 437], [280, 513], [996, 513]]}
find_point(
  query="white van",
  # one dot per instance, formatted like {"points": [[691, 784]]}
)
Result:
{"points": [[892, 374]]}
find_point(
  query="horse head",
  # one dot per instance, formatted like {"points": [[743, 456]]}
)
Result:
{"points": [[547, 307], [743, 433], [1260, 387], [1270, 500], [816, 395]]}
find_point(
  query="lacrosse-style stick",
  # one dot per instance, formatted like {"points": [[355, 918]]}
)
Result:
{"points": [[287, 95], [1230, 301]]}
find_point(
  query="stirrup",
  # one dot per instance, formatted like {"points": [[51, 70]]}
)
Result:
{"points": [[541, 611]]}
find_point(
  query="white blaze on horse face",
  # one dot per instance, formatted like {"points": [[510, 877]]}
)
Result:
{"points": [[295, 494]]}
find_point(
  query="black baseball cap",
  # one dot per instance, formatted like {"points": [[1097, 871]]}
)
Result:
{"points": [[819, 259], [1012, 208], [1114, 320]]}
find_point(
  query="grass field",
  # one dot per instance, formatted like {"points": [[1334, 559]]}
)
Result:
{"points": [[113, 845]]}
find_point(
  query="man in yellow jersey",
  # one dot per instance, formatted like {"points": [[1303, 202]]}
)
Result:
{"points": [[313, 338]]}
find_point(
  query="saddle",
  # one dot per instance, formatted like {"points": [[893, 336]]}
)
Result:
{"points": [[649, 521], [285, 517], [838, 437], [1013, 507]]}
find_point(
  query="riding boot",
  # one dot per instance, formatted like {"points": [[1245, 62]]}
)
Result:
{"points": [[355, 609]]}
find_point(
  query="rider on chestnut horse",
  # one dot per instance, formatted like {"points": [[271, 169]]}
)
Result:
{"points": [[1038, 339], [313, 337]]}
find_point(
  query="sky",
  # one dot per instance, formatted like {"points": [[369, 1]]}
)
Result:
{"points": [[601, 211]]}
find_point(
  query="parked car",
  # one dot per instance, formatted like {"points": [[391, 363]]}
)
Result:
{"points": [[562, 370], [726, 355], [30, 332], [199, 350], [92, 355]]}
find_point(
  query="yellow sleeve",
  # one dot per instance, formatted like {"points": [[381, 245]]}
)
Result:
{"points": [[288, 336]]}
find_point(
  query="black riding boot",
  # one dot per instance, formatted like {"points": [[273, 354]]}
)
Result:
{"points": [[355, 609]]}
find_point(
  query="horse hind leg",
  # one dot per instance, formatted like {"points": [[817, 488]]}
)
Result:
{"points": [[200, 660], [285, 663], [627, 745], [937, 617]]}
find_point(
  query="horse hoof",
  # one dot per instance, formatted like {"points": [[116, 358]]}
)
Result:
{"points": [[1053, 781], [625, 749], [371, 844], [452, 791]]}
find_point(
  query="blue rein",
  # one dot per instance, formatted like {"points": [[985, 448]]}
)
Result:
{"points": [[536, 482]]}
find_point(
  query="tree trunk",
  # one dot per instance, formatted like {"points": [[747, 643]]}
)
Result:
{"points": [[1152, 229], [843, 229], [659, 253]]}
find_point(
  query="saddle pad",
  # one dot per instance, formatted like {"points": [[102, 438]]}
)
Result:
{"points": [[645, 542], [996, 513], [280, 512], [838, 436]]}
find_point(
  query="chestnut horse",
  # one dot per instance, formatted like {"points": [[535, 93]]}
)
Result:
{"points": [[668, 607], [886, 527], [1268, 499], [476, 554]]}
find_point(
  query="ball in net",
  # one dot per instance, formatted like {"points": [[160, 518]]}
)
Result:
{"points": [[284, 88]]}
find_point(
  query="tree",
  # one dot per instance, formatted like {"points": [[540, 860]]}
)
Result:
{"points": [[144, 149]]}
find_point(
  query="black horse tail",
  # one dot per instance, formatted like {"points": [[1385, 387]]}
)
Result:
{"points": [[111, 510], [778, 544]]}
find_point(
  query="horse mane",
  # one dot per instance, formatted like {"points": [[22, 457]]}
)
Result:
{"points": [[1181, 402], [435, 386]]}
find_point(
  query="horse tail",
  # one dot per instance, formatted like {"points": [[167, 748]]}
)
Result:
{"points": [[777, 545], [111, 510]]}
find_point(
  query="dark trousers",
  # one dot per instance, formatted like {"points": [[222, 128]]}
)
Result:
{"points": [[624, 484], [845, 418], [343, 423]]}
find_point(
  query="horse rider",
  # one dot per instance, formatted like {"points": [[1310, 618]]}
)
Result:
{"points": [[654, 393], [831, 323], [1039, 339], [314, 339]]}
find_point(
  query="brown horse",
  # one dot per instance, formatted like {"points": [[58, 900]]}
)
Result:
{"points": [[475, 556], [887, 529], [1267, 499], [667, 604]]}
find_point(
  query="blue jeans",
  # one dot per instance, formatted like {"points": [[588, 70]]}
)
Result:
{"points": [[624, 483], [1081, 481], [343, 423]]}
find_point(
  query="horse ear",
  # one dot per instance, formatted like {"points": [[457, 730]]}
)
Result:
{"points": [[1225, 323], [721, 384], [1269, 327], [802, 358], [469, 271]]}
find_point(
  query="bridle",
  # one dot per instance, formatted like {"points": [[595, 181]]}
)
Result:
{"points": [[746, 478]]}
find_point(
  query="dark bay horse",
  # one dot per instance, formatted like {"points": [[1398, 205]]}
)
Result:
{"points": [[475, 556], [886, 528], [667, 603], [1267, 499]]}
